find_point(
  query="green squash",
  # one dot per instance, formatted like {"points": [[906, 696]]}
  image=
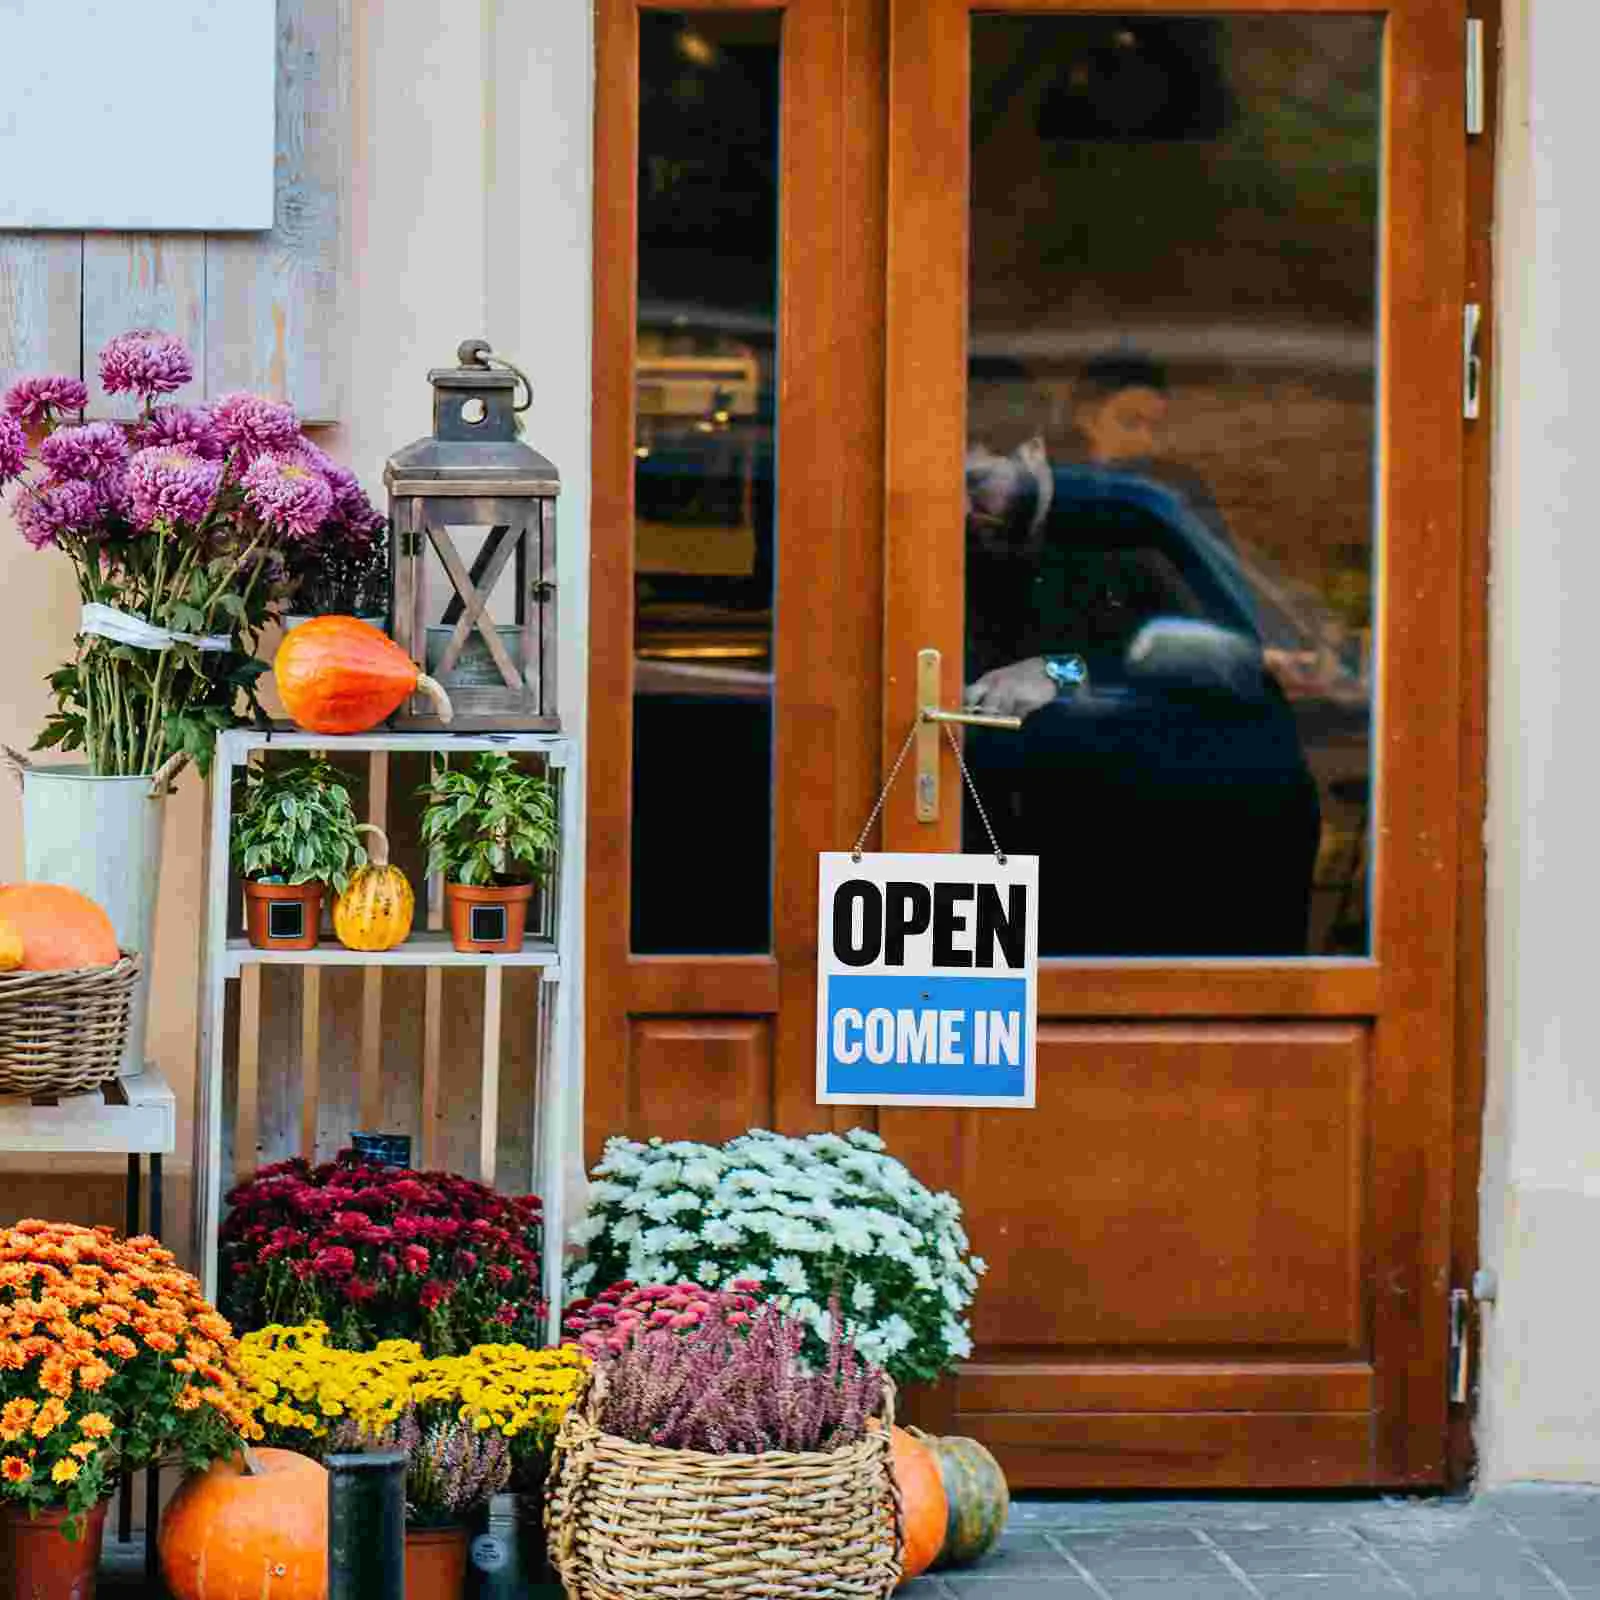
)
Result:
{"points": [[978, 1496]]}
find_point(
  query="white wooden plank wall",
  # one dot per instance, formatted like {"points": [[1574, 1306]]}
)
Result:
{"points": [[259, 311]]}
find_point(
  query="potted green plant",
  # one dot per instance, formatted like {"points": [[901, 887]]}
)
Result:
{"points": [[491, 829], [294, 835]]}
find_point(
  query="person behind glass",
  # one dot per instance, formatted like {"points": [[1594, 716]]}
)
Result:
{"points": [[1119, 413]]}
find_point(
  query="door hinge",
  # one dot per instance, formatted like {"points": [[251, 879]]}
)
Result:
{"points": [[1460, 1345], [1475, 120], [1471, 361]]}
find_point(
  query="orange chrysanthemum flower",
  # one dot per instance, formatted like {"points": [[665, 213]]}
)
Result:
{"points": [[95, 1425], [119, 1344], [16, 1416], [51, 1415], [83, 1449], [15, 1470]]}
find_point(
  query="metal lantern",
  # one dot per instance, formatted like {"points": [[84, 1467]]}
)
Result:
{"points": [[473, 517]]}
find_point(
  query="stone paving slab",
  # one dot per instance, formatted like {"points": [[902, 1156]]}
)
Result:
{"points": [[1514, 1544]]}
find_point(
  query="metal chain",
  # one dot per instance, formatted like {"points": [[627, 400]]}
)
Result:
{"points": [[894, 772], [883, 794], [972, 789]]}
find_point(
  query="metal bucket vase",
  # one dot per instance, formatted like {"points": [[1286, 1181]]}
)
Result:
{"points": [[102, 837]]}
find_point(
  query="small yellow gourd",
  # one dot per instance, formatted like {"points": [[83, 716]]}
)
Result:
{"points": [[10, 947], [375, 910]]}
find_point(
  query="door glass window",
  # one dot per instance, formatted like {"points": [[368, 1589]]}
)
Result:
{"points": [[1172, 376], [704, 475]]}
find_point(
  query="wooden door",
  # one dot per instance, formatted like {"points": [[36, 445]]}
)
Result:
{"points": [[739, 342], [1219, 1248]]}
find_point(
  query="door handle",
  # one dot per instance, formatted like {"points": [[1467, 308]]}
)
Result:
{"points": [[930, 719]]}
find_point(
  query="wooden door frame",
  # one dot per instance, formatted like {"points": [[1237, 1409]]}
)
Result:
{"points": [[829, 585], [738, 986]]}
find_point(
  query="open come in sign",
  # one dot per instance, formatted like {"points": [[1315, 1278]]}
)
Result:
{"points": [[927, 980]]}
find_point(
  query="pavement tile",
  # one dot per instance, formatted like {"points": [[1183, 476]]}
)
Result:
{"points": [[1463, 1583], [1042, 1587], [1323, 1561], [1376, 1587], [1195, 1561], [1023, 1555], [1156, 1537], [1186, 1589], [1574, 1562]]}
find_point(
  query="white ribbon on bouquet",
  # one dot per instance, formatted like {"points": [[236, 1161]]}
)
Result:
{"points": [[109, 623]]}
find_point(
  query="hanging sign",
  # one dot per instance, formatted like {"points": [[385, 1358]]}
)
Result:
{"points": [[927, 980]]}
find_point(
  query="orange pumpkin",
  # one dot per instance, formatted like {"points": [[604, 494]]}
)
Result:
{"points": [[11, 949], [59, 928], [342, 675], [924, 1508], [230, 1534]]}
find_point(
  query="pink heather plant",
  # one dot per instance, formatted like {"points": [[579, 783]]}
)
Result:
{"points": [[606, 1325], [736, 1390], [13, 448], [145, 362], [95, 452]]}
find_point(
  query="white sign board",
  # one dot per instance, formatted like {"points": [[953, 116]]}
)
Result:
{"points": [[137, 115], [927, 980]]}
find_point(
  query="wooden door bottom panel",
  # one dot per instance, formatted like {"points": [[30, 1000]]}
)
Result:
{"points": [[1179, 1450], [1276, 1387]]}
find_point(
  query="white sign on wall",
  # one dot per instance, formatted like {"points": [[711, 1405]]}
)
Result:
{"points": [[927, 980], [137, 115]]}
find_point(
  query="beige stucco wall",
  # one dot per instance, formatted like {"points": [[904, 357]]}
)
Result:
{"points": [[470, 215], [1540, 1412]]}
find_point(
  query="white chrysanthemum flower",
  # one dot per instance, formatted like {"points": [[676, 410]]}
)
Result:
{"points": [[864, 1139], [700, 1174], [953, 1293], [897, 1334], [979, 1265], [627, 1229], [663, 1241], [644, 1268], [788, 1272], [863, 1297], [708, 1273], [789, 1233], [721, 1232], [660, 1207], [588, 1229], [661, 1175]]}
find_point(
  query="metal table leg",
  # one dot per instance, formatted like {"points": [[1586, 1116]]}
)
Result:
{"points": [[152, 1475], [130, 1229]]}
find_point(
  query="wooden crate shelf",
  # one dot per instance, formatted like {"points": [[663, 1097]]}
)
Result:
{"points": [[472, 1054]]}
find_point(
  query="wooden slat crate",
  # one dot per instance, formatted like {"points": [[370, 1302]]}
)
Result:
{"points": [[468, 1055]]}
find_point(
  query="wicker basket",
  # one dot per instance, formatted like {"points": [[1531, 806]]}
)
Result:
{"points": [[63, 1032], [635, 1522]]}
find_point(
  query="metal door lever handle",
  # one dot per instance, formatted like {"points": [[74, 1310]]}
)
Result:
{"points": [[970, 719]]}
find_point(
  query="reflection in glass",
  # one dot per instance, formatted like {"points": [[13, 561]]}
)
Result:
{"points": [[703, 484], [1172, 360]]}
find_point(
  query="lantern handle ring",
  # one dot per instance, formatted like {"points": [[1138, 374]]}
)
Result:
{"points": [[521, 377], [478, 353]]}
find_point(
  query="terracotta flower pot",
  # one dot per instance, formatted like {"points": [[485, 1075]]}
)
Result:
{"points": [[462, 898], [260, 898], [436, 1562], [39, 1562]]}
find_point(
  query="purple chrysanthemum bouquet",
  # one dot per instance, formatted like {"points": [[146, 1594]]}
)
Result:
{"points": [[183, 529]]}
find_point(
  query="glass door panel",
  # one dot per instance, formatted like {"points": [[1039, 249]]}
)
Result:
{"points": [[1171, 449]]}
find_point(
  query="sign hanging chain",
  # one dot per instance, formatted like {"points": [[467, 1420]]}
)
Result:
{"points": [[894, 772]]}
